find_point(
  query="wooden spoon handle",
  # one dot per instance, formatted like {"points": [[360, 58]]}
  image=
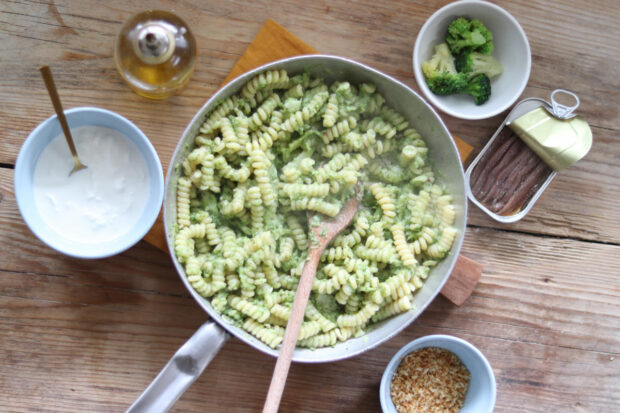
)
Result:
{"points": [[293, 326]]}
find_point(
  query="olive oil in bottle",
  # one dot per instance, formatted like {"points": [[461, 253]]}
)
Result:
{"points": [[155, 52]]}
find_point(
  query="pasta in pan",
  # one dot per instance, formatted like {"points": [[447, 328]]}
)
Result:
{"points": [[287, 145]]}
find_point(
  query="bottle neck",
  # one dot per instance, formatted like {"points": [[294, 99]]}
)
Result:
{"points": [[154, 43]]}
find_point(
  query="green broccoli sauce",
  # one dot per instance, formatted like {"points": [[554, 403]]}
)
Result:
{"points": [[314, 242], [327, 305], [315, 221], [255, 248]]}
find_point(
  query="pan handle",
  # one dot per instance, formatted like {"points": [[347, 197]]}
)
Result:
{"points": [[182, 370]]}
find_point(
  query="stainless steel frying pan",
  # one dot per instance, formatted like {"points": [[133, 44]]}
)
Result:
{"points": [[191, 359]]}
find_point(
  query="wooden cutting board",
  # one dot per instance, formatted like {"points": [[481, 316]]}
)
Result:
{"points": [[274, 42]]}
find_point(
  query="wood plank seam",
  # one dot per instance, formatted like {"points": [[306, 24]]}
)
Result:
{"points": [[536, 234]]}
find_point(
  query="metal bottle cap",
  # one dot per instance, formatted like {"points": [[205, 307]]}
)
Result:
{"points": [[555, 132], [154, 43]]}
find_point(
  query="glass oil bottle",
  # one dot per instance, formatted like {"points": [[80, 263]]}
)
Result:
{"points": [[155, 53]]}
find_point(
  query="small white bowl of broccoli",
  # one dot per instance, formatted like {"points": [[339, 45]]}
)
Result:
{"points": [[472, 59]]}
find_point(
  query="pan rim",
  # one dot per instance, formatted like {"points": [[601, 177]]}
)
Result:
{"points": [[237, 332]]}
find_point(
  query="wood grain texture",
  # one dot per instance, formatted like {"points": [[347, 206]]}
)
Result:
{"points": [[549, 325], [272, 42], [568, 50], [462, 281], [90, 335]]}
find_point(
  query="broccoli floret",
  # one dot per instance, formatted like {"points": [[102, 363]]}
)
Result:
{"points": [[442, 61], [440, 72], [479, 87], [447, 84], [486, 48], [459, 25], [474, 63], [469, 35]]}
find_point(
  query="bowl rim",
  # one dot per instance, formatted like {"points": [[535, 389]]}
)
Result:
{"points": [[151, 153], [419, 77], [384, 388]]}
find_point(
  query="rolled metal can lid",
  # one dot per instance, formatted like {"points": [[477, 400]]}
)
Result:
{"points": [[555, 133]]}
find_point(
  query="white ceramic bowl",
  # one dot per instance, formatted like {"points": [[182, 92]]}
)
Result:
{"points": [[512, 49], [27, 159], [480, 397]]}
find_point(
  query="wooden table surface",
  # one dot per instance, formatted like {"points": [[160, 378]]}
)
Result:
{"points": [[90, 335]]}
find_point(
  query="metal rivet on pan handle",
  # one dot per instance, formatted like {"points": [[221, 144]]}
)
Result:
{"points": [[562, 111]]}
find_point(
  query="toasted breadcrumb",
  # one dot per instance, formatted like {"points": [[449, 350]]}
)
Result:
{"points": [[430, 380]]}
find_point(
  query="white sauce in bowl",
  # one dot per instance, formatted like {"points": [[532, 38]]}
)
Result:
{"points": [[97, 204]]}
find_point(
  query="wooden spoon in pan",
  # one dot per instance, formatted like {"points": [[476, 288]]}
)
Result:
{"points": [[324, 233]]}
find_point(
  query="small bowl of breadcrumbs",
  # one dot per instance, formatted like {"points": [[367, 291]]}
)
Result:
{"points": [[438, 374]]}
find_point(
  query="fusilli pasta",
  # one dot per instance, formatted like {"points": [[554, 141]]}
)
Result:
{"points": [[288, 145]]}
